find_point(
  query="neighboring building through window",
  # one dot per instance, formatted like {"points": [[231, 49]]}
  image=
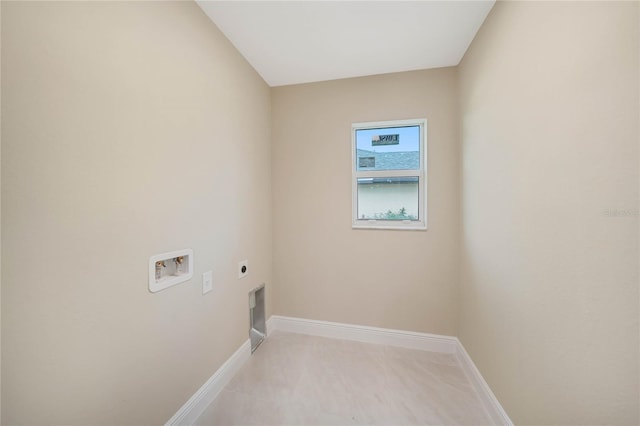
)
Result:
{"points": [[389, 184]]}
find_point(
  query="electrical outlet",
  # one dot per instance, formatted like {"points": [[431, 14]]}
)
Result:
{"points": [[207, 282], [243, 269]]}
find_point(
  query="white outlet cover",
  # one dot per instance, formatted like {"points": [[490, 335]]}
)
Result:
{"points": [[207, 282], [244, 263]]}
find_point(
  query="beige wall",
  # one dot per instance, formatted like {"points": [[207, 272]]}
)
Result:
{"points": [[322, 268], [0, 223], [549, 295], [130, 129]]}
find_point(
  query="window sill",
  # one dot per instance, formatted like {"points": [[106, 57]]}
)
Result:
{"points": [[398, 227]]}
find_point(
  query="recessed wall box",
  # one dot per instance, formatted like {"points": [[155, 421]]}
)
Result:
{"points": [[169, 269], [257, 317]]}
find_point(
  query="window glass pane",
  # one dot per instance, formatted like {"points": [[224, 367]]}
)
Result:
{"points": [[393, 198], [388, 148]]}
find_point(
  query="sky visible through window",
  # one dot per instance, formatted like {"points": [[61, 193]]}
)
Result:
{"points": [[409, 139]]}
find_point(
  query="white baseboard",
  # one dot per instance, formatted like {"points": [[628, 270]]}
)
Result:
{"points": [[195, 406], [360, 333], [489, 400], [405, 339]]}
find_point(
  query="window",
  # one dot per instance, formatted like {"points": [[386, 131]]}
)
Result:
{"points": [[388, 168]]}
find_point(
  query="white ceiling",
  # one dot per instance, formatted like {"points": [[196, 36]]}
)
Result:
{"points": [[290, 42]]}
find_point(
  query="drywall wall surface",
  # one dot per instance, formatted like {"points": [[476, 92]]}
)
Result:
{"points": [[0, 218], [549, 288], [324, 269], [129, 129]]}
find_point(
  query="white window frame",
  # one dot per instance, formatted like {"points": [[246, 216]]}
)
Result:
{"points": [[413, 225]]}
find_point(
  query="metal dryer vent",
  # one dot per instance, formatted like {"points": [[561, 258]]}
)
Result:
{"points": [[258, 330]]}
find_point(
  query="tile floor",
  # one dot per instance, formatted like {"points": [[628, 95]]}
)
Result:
{"points": [[295, 379]]}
